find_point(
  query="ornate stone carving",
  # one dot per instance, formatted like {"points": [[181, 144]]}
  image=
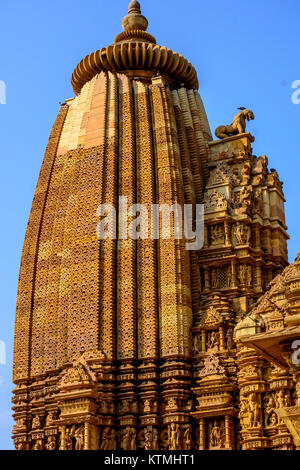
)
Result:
{"points": [[51, 443], [175, 436], [215, 201], [217, 436], [211, 366], [238, 125], [242, 234]]}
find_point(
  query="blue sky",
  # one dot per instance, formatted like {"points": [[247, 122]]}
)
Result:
{"points": [[246, 54]]}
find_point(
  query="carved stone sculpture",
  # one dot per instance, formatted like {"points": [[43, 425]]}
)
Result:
{"points": [[51, 443], [79, 438], [216, 438], [238, 125]]}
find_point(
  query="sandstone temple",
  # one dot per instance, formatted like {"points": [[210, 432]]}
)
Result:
{"points": [[142, 344]]}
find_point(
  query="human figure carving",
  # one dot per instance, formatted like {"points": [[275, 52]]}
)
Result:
{"points": [[148, 439], [20, 446], [238, 125], [106, 439], [254, 411], [172, 435], [155, 440], [214, 279], [79, 438], [229, 339], [229, 276], [187, 438], [51, 443], [39, 445], [216, 436], [133, 440], [242, 233], [269, 408], [126, 444], [213, 341]]}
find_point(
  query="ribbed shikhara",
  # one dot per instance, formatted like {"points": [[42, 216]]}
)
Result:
{"points": [[130, 299]]}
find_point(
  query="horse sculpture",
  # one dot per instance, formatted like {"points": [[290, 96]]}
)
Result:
{"points": [[238, 126]]}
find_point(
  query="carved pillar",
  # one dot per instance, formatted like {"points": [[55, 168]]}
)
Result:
{"points": [[222, 339], [206, 278], [257, 238], [206, 241], [203, 341], [258, 278], [228, 432], [87, 436], [63, 438], [202, 434], [234, 274], [227, 233]]}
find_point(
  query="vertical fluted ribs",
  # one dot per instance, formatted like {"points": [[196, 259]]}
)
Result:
{"points": [[126, 285], [27, 276], [147, 263]]}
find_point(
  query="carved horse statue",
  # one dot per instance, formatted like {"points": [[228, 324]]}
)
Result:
{"points": [[238, 125]]}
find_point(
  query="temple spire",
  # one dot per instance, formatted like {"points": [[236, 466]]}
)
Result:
{"points": [[134, 20], [134, 7]]}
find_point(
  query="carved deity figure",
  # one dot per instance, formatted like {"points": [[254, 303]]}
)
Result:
{"points": [[148, 439], [51, 443], [254, 411], [214, 278], [269, 407], [229, 276], [187, 438], [126, 443], [37, 422], [246, 174], [216, 437], [213, 341], [197, 344], [133, 439], [50, 418], [229, 339], [20, 445], [129, 439], [238, 125], [242, 234], [249, 275], [243, 200], [39, 445], [243, 274], [70, 434], [217, 234], [174, 436], [79, 438], [155, 444], [147, 406]]}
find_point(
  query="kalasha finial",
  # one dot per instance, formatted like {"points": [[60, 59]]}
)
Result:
{"points": [[134, 7], [134, 20]]}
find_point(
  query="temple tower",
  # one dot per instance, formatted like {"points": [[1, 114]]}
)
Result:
{"points": [[102, 353], [125, 343]]}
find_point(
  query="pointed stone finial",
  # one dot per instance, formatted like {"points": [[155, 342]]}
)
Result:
{"points": [[134, 20]]}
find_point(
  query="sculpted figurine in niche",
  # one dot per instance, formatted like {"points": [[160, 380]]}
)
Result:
{"points": [[238, 125], [213, 341], [187, 438], [51, 443], [79, 438], [216, 436]]}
